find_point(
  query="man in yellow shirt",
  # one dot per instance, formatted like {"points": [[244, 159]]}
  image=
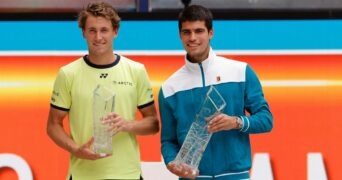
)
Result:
{"points": [[73, 94]]}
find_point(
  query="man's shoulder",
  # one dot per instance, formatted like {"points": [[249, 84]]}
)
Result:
{"points": [[130, 62], [73, 64], [230, 62], [70, 69], [178, 74], [178, 81]]}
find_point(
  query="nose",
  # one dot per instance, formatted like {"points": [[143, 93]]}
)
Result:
{"points": [[192, 36], [98, 36]]}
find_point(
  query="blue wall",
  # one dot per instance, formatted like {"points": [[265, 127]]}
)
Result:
{"points": [[163, 35]]}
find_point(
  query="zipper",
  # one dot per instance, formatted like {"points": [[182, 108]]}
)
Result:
{"points": [[202, 74]]}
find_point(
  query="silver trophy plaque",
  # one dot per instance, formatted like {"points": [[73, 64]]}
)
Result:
{"points": [[198, 136], [103, 104]]}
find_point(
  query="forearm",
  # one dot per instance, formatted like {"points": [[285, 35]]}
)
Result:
{"points": [[260, 119], [57, 133], [149, 123], [146, 126], [260, 122]]}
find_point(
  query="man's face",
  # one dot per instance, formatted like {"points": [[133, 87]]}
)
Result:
{"points": [[195, 38], [99, 34]]}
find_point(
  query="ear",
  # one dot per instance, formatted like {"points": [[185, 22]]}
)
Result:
{"points": [[83, 33], [116, 32], [211, 33]]}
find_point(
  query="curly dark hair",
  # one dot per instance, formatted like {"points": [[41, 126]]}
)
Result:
{"points": [[99, 9]]}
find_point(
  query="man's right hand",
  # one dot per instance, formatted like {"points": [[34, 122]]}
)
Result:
{"points": [[182, 170], [84, 151]]}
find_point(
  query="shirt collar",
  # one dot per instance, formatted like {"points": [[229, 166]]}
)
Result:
{"points": [[205, 63]]}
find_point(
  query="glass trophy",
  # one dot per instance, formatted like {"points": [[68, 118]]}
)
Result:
{"points": [[103, 104], [198, 136]]}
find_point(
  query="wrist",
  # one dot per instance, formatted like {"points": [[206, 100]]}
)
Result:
{"points": [[72, 148], [238, 122]]}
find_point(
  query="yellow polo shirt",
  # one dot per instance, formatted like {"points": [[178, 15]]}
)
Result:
{"points": [[73, 92]]}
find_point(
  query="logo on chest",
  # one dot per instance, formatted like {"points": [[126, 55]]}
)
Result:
{"points": [[103, 75], [124, 83]]}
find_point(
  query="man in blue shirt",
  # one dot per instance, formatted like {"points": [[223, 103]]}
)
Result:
{"points": [[228, 153]]}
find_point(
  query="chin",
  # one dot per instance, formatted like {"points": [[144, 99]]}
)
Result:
{"points": [[193, 54]]}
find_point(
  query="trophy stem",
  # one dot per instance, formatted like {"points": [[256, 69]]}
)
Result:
{"points": [[198, 136], [103, 104]]}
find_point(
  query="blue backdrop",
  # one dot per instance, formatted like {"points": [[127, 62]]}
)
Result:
{"points": [[163, 35]]}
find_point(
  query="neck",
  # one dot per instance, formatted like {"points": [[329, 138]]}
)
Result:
{"points": [[102, 59], [197, 59]]}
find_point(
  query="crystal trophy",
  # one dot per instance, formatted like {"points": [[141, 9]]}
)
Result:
{"points": [[103, 104], [198, 136]]}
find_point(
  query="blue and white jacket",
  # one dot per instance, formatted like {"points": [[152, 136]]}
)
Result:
{"points": [[228, 154]]}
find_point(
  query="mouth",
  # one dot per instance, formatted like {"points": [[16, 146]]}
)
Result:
{"points": [[98, 44], [192, 46]]}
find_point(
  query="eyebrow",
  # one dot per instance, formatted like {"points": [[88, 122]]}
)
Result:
{"points": [[196, 29]]}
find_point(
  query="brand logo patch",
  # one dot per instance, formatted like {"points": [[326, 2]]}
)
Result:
{"points": [[103, 75]]}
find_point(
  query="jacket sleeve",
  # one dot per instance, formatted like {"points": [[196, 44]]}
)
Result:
{"points": [[169, 143], [260, 118]]}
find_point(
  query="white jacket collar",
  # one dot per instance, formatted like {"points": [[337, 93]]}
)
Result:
{"points": [[195, 66]]}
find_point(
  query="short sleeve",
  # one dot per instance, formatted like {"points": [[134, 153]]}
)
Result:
{"points": [[144, 88], [61, 96]]}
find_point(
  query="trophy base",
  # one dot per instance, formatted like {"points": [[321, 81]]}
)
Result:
{"points": [[102, 150], [104, 154]]}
